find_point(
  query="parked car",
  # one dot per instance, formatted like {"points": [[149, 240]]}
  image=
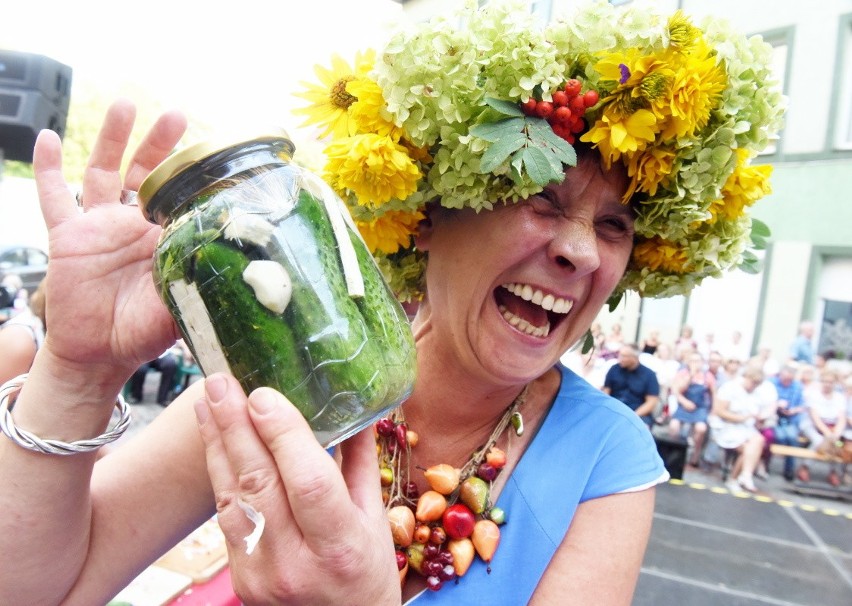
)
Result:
{"points": [[27, 262]]}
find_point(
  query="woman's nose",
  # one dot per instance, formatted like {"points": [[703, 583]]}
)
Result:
{"points": [[574, 245]]}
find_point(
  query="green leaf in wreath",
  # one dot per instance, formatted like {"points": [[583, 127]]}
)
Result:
{"points": [[538, 167], [759, 234], [494, 131], [751, 264], [499, 151], [541, 133], [506, 108], [760, 228]]}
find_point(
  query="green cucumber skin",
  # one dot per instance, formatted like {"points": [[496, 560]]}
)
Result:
{"points": [[388, 325], [260, 348], [348, 362]]}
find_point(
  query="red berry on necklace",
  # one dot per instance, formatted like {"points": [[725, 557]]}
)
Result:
{"points": [[385, 427]]}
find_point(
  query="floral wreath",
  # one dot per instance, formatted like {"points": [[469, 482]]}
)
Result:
{"points": [[470, 110]]}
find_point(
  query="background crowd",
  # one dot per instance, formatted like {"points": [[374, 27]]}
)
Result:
{"points": [[728, 404]]}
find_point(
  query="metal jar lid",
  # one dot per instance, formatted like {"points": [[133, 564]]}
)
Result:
{"points": [[190, 156]]}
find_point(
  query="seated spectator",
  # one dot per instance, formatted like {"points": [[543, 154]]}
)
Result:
{"points": [[651, 342], [693, 389], [732, 422], [167, 364], [634, 384], [767, 420], [807, 374], [22, 336], [825, 422], [731, 369], [734, 348], [612, 343], [664, 365], [715, 363], [791, 409]]}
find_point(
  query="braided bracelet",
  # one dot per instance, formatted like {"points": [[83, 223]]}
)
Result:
{"points": [[30, 441]]}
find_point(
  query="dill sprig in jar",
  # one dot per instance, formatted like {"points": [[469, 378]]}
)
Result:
{"points": [[269, 280]]}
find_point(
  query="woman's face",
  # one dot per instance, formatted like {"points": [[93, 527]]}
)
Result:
{"points": [[514, 287]]}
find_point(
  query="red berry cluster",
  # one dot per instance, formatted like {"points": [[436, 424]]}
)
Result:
{"points": [[565, 112]]}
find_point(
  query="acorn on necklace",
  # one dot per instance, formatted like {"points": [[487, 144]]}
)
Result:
{"points": [[438, 533]]}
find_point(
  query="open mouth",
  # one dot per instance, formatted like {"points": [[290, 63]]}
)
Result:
{"points": [[530, 310]]}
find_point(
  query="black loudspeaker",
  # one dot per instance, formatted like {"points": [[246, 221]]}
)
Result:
{"points": [[673, 453], [35, 92]]}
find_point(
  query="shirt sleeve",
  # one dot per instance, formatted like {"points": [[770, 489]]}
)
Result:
{"points": [[628, 460]]}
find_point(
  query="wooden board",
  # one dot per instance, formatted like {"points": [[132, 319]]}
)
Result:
{"points": [[154, 587], [200, 555], [783, 450]]}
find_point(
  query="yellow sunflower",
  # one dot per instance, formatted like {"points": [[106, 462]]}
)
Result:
{"points": [[331, 98], [391, 231]]}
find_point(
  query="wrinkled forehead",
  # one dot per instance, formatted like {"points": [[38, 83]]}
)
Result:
{"points": [[590, 175]]}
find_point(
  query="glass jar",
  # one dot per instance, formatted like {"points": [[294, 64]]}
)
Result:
{"points": [[269, 280]]}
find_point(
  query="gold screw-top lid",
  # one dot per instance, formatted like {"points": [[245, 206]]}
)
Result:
{"points": [[182, 160]]}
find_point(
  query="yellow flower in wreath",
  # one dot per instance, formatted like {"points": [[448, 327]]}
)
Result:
{"points": [[745, 186], [376, 169], [391, 231], [657, 253], [330, 98]]}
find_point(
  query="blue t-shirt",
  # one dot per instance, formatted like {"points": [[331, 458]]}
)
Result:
{"points": [[793, 394], [589, 445]]}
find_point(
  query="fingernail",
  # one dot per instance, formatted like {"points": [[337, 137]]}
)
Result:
{"points": [[201, 411], [216, 388], [263, 401]]}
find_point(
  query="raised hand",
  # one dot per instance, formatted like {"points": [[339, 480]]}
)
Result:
{"points": [[326, 538], [102, 308]]}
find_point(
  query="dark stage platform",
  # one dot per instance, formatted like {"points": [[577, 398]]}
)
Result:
{"points": [[710, 547]]}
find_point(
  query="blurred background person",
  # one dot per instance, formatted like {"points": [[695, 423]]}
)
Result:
{"points": [[634, 384], [685, 343], [802, 347], [22, 336], [791, 408], [825, 422], [651, 342], [694, 388], [733, 425]]}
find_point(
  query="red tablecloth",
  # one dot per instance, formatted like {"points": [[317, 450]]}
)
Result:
{"points": [[215, 592]]}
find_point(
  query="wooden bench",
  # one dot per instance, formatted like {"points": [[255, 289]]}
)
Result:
{"points": [[783, 450]]}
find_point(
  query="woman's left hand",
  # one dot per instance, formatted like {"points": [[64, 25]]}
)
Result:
{"points": [[326, 539]]}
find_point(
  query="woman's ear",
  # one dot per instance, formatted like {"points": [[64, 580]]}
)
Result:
{"points": [[424, 232]]}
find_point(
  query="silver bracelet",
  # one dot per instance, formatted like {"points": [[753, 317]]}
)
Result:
{"points": [[30, 441]]}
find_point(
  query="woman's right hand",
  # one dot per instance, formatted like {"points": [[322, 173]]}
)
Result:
{"points": [[103, 311]]}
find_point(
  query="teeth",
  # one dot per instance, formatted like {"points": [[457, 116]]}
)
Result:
{"points": [[524, 326], [557, 305]]}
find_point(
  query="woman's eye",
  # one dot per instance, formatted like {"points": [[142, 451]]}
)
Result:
{"points": [[545, 203], [616, 227]]}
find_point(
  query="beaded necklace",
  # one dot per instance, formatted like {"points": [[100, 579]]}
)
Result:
{"points": [[438, 533]]}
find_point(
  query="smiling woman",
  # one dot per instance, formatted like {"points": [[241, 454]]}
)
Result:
{"points": [[511, 223]]}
